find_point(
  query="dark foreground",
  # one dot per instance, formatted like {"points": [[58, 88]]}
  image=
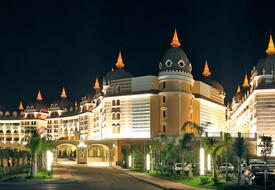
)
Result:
{"points": [[92, 179]]}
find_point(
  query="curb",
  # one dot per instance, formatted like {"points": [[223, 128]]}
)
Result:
{"points": [[38, 182], [144, 180]]}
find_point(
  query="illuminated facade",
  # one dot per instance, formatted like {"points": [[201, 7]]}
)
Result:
{"points": [[124, 108], [253, 107]]}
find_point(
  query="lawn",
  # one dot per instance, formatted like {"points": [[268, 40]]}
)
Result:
{"points": [[196, 182], [42, 175]]}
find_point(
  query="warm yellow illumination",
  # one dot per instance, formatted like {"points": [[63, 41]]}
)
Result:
{"points": [[238, 89], [49, 160], [63, 93], [96, 86], [202, 161], [39, 96], [130, 161], [21, 107], [82, 145], [206, 71], [245, 82], [208, 162], [148, 162], [119, 63], [270, 49], [175, 41]]}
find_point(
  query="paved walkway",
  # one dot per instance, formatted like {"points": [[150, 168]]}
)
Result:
{"points": [[165, 184], [61, 174]]}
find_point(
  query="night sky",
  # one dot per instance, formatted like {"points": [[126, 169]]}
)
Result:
{"points": [[49, 44]]}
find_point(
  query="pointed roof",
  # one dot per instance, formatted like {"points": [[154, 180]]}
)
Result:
{"points": [[63, 93], [238, 88], [245, 82], [119, 63], [96, 86], [39, 96], [20, 107], [206, 71], [270, 49], [175, 41]]}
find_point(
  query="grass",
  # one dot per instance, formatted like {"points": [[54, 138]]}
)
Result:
{"points": [[196, 182], [42, 175]]}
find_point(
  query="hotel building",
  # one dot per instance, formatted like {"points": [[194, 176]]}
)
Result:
{"points": [[123, 110]]}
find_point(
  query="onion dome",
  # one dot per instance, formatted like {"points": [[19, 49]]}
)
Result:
{"points": [[119, 72], [266, 65], [62, 103], [207, 78], [38, 105], [175, 59]]}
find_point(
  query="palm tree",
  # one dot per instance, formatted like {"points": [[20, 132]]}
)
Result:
{"points": [[214, 148], [227, 141], [34, 143], [239, 149], [185, 149], [154, 146]]}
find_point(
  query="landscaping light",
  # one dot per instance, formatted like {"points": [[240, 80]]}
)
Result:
{"points": [[202, 166], [148, 162], [208, 162], [49, 160], [130, 161]]}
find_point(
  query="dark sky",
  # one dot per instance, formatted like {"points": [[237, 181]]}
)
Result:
{"points": [[49, 44]]}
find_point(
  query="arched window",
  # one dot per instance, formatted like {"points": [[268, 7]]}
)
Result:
{"points": [[113, 103], [1, 131], [118, 102], [15, 131], [118, 116], [118, 129], [113, 116], [118, 89], [8, 131], [113, 89]]}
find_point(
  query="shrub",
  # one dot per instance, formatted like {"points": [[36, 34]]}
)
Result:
{"points": [[204, 179]]}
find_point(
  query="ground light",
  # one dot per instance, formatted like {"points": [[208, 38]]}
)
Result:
{"points": [[208, 162], [148, 162], [202, 160], [49, 161], [130, 161]]}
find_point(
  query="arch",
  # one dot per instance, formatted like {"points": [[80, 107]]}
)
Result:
{"points": [[66, 152], [118, 102], [98, 155]]}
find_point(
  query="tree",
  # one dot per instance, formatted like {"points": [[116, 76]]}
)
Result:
{"points": [[186, 151], [34, 143], [214, 148], [266, 147], [227, 141], [239, 149]]}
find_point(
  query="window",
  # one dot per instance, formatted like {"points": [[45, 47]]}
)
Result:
{"points": [[163, 99], [168, 63], [113, 103], [118, 89], [118, 116], [8, 131], [181, 63], [113, 116], [163, 113], [164, 128], [163, 85], [118, 102]]}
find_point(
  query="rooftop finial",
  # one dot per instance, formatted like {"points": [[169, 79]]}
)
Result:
{"points": [[175, 41], [245, 82], [206, 71], [270, 49], [96, 86], [119, 63], [39, 96], [238, 88], [20, 107], [63, 93]]}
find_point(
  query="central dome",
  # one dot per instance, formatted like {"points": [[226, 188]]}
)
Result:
{"points": [[175, 59]]}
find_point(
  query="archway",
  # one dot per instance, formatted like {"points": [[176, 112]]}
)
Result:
{"points": [[66, 153], [98, 155]]}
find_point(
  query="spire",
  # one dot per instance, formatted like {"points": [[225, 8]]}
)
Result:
{"points": [[238, 89], [270, 49], [245, 82], [20, 107], [119, 63], [96, 86], [39, 96], [206, 71], [175, 41], [63, 93]]}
